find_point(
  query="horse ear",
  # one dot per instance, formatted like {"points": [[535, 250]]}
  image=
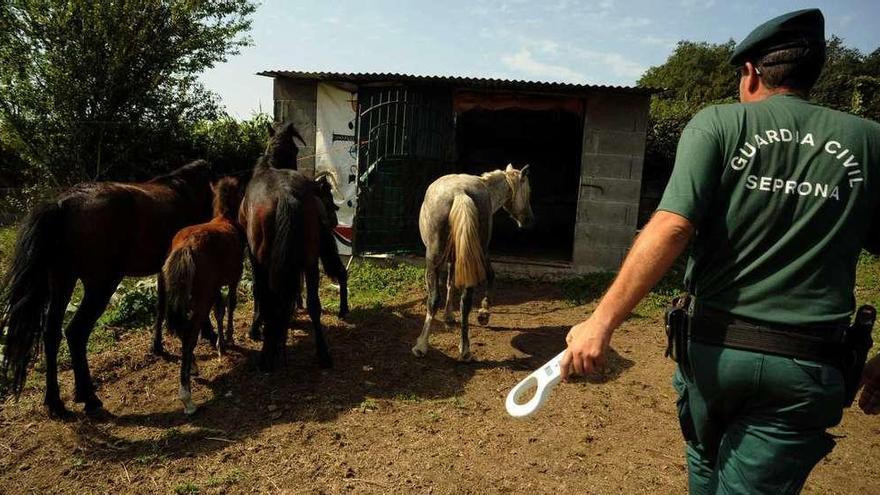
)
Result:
{"points": [[509, 167], [525, 171], [271, 129]]}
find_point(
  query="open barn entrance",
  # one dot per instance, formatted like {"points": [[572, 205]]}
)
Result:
{"points": [[549, 140]]}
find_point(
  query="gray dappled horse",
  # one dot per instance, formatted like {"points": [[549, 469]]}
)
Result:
{"points": [[456, 225]]}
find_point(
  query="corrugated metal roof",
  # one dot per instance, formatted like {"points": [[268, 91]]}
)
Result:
{"points": [[462, 82]]}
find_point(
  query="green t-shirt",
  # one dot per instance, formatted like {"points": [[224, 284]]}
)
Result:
{"points": [[782, 193]]}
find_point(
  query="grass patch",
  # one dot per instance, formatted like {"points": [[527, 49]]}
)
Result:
{"points": [[368, 405], [188, 488], [373, 285], [590, 288], [586, 288], [7, 246], [868, 289], [170, 435], [227, 479], [148, 459], [408, 397]]}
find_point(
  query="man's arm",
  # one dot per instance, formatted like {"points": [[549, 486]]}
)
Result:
{"points": [[655, 249]]}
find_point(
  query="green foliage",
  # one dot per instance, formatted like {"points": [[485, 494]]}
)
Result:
{"points": [[590, 288], [696, 72], [7, 246], [868, 288], [133, 307], [586, 288], [376, 285], [188, 488], [845, 70], [231, 145], [104, 89], [866, 97], [227, 479]]}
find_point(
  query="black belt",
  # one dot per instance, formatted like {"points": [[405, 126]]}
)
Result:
{"points": [[823, 344]]}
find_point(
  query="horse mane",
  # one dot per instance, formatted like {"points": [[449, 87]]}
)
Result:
{"points": [[227, 197], [495, 174], [486, 176]]}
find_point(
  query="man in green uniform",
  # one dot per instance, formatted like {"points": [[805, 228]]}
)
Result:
{"points": [[778, 195]]}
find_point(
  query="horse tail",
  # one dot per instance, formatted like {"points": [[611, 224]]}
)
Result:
{"points": [[180, 273], [25, 292], [464, 242], [287, 248], [329, 253]]}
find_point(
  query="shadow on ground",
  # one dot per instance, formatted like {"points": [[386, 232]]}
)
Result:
{"points": [[373, 362]]}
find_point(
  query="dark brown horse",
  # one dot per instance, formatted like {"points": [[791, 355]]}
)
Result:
{"points": [[97, 233], [203, 259], [329, 252], [286, 227]]}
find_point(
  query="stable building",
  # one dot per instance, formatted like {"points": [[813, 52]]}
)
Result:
{"points": [[387, 136]]}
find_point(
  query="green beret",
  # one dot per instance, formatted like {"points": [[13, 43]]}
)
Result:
{"points": [[802, 28]]}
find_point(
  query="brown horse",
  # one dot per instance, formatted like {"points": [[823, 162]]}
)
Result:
{"points": [[286, 227], [329, 252], [203, 259], [97, 233]]}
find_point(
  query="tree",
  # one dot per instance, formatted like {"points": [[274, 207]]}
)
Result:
{"points": [[94, 89], [231, 145], [843, 65], [696, 72]]}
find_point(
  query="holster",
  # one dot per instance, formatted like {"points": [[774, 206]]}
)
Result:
{"points": [[677, 324], [856, 344]]}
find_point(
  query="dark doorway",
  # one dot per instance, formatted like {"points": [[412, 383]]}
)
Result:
{"points": [[550, 142]]}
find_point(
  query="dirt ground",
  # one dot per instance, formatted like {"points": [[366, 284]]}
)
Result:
{"points": [[383, 421]]}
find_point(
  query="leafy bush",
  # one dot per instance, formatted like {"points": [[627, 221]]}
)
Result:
{"points": [[133, 307], [230, 145]]}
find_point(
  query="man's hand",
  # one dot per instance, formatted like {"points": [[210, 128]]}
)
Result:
{"points": [[870, 399], [656, 247], [587, 343]]}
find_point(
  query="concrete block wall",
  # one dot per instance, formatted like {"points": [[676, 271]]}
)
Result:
{"points": [[615, 127], [297, 102]]}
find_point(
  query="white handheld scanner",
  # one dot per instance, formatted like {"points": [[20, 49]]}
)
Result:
{"points": [[541, 381]]}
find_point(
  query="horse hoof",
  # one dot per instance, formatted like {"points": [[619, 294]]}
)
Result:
{"points": [[56, 410], [483, 317], [419, 351], [158, 350], [466, 358], [190, 409], [255, 335], [94, 407], [343, 312]]}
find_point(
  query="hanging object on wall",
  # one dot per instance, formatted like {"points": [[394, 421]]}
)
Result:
{"points": [[336, 151]]}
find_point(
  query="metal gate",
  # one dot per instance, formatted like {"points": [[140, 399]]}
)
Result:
{"points": [[406, 140]]}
